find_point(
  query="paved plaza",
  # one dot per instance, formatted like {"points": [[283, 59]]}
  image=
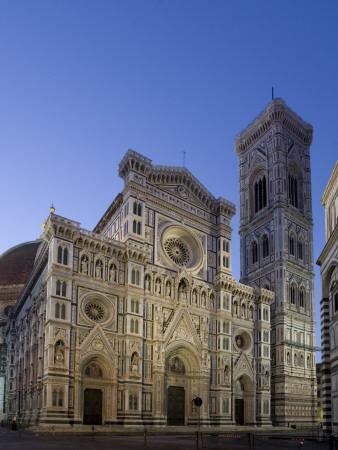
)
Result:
{"points": [[28, 440]]}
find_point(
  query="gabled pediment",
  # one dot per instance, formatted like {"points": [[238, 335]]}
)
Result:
{"points": [[243, 367], [182, 329], [96, 341]]}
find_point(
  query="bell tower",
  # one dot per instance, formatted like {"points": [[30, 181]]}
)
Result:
{"points": [[277, 250]]}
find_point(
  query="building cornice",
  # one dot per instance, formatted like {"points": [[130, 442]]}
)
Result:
{"points": [[331, 186], [330, 244]]}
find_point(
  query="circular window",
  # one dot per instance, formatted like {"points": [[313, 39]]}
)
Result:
{"points": [[177, 251], [181, 247], [97, 308], [243, 341], [94, 311]]}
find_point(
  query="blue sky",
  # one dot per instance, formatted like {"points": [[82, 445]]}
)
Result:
{"points": [[82, 81]]}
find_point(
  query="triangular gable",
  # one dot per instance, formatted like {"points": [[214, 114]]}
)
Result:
{"points": [[182, 329], [95, 342], [243, 367]]}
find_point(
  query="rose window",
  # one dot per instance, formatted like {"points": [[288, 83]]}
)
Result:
{"points": [[177, 251], [94, 311]]}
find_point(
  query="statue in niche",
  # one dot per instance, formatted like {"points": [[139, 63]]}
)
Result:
{"points": [[98, 270], [59, 354], [113, 273], [204, 299], [251, 312], [168, 289], [266, 381], [134, 363], [243, 311], [227, 375], [239, 341], [194, 297], [158, 286], [182, 292], [147, 283], [84, 265]]}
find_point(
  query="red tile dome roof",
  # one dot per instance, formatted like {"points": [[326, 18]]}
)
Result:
{"points": [[17, 263]]}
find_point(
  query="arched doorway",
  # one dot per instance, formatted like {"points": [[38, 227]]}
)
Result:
{"points": [[92, 394], [244, 399], [176, 394], [92, 407]]}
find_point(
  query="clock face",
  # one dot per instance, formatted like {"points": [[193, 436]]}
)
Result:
{"points": [[97, 345]]}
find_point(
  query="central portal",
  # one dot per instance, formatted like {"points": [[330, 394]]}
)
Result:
{"points": [[175, 408], [92, 407]]}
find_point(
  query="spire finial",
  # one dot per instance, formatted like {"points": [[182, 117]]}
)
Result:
{"points": [[52, 209], [272, 93]]}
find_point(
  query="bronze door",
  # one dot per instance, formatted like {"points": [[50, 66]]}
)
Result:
{"points": [[239, 411], [175, 409], [92, 408]]}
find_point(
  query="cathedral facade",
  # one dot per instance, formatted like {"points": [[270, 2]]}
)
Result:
{"points": [[130, 323], [277, 251]]}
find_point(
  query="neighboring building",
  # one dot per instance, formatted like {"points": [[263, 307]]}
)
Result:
{"points": [[277, 250], [319, 394], [128, 324], [328, 262]]}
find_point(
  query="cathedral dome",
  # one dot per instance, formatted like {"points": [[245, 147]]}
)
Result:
{"points": [[17, 263]]}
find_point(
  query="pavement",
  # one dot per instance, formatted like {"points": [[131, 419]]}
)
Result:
{"points": [[161, 439]]}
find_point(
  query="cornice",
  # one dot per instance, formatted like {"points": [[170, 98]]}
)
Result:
{"points": [[330, 244], [158, 175], [117, 202], [276, 111], [69, 230], [331, 186]]}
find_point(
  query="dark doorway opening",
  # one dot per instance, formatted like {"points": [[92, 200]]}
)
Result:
{"points": [[239, 411], [92, 407], [175, 409]]}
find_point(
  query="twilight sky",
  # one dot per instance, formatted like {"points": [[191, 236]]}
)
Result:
{"points": [[81, 81]]}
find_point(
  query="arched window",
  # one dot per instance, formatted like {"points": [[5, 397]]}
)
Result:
{"points": [[137, 209], [265, 245], [63, 311], [133, 402], [58, 287], [293, 191], [254, 252], [59, 254], [260, 194], [60, 398], [64, 289], [132, 327], [301, 297], [135, 277], [57, 310], [136, 227], [300, 250], [136, 326], [293, 294], [292, 245], [65, 256], [54, 397], [62, 257]]}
